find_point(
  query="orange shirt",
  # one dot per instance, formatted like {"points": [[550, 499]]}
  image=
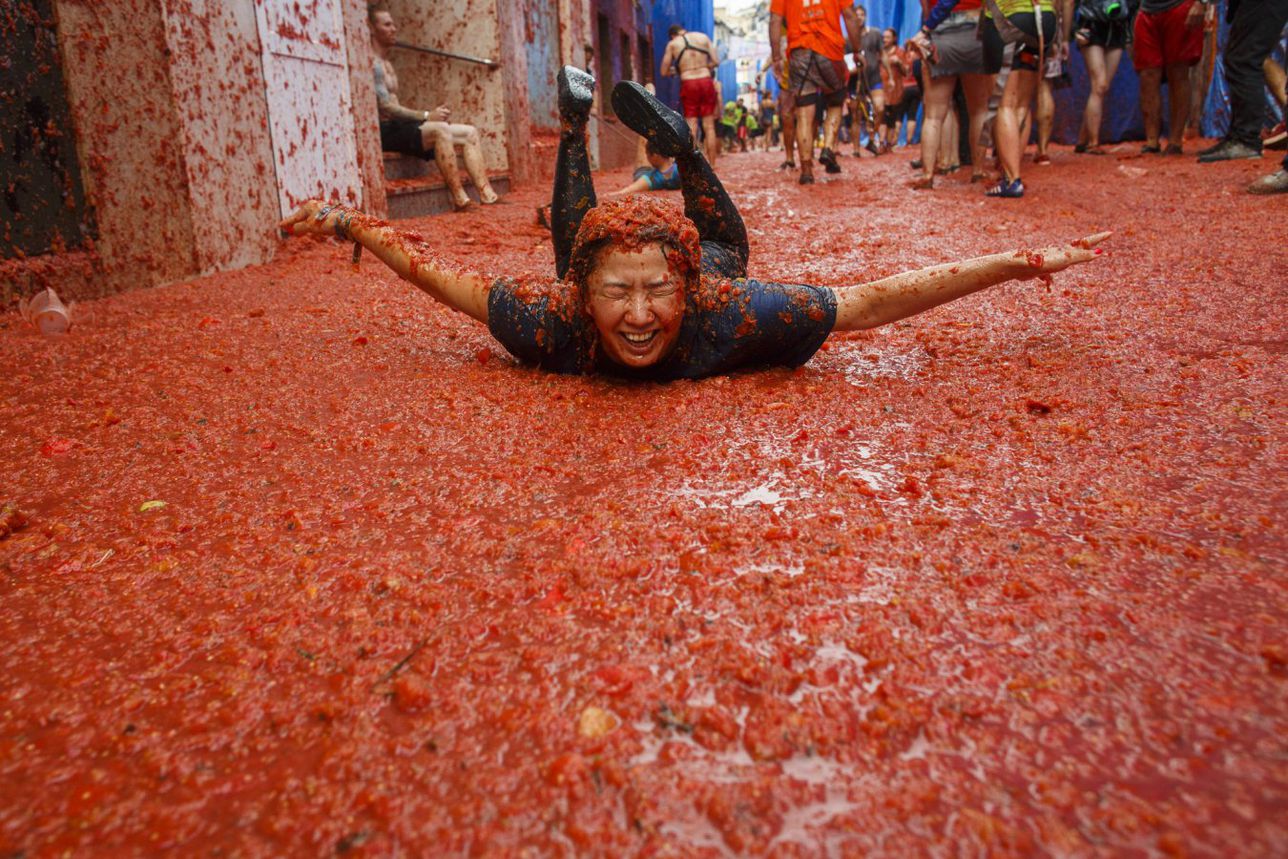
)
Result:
{"points": [[813, 24]]}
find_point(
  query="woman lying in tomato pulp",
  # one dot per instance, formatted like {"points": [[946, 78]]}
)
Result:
{"points": [[644, 291]]}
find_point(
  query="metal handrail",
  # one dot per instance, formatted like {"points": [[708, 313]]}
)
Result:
{"points": [[491, 64]]}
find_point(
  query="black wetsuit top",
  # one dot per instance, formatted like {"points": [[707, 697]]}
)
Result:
{"points": [[675, 64]]}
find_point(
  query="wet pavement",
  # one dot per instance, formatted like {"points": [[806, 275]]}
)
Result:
{"points": [[1004, 579]]}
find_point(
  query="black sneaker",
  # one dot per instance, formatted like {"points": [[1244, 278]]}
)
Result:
{"points": [[1230, 150], [828, 159], [576, 95], [652, 120], [807, 176], [1213, 148]]}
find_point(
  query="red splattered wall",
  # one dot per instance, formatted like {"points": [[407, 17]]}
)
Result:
{"points": [[168, 105]]}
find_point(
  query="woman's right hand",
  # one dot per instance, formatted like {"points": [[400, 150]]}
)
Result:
{"points": [[304, 220]]}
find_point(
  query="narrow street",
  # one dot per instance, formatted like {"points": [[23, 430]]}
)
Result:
{"points": [[310, 560]]}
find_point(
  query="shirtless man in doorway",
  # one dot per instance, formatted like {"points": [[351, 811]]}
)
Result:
{"points": [[692, 56], [423, 133]]}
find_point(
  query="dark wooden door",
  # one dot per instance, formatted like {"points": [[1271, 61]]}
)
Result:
{"points": [[42, 201]]}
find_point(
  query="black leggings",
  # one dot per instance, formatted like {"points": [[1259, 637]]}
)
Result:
{"points": [[720, 227]]}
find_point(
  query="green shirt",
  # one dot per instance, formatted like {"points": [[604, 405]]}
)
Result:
{"points": [[1017, 7]]}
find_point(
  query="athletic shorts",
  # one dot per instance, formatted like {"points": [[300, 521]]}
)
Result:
{"points": [[698, 97], [815, 76], [1026, 57], [1162, 39], [1110, 35], [959, 49], [403, 135]]}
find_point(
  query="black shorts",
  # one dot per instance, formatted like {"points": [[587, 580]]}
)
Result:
{"points": [[403, 135], [1110, 35], [1025, 58]]}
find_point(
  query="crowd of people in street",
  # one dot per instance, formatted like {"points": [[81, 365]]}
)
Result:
{"points": [[973, 87], [977, 82]]}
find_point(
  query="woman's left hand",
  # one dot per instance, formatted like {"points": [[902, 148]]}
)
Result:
{"points": [[1048, 261]]}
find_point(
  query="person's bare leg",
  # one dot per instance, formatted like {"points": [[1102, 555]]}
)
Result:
{"points": [[805, 139], [977, 89], [787, 119], [831, 125], [467, 137], [1151, 104], [937, 101], [878, 119], [1012, 115], [712, 142], [436, 136], [1276, 80], [1178, 94], [949, 142], [1102, 65], [1045, 116]]}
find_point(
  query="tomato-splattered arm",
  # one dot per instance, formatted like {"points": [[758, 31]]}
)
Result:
{"points": [[407, 253], [868, 305]]}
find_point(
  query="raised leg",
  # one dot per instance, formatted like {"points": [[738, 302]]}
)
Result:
{"points": [[574, 190]]}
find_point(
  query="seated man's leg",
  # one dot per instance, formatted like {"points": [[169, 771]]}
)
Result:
{"points": [[574, 191], [467, 138], [435, 137]]}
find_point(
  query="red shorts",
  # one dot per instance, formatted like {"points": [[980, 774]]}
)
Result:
{"points": [[1163, 39], [698, 97]]}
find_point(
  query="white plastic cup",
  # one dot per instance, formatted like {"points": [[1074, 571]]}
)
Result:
{"points": [[47, 312]]}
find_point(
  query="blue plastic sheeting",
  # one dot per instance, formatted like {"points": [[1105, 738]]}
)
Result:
{"points": [[727, 75], [696, 15], [903, 15]]}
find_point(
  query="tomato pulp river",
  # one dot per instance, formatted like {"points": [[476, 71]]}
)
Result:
{"points": [[311, 566]]}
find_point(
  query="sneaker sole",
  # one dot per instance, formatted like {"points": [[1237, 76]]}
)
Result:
{"points": [[650, 119], [576, 92]]}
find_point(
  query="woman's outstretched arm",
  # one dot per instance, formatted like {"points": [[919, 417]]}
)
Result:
{"points": [[868, 305], [403, 251]]}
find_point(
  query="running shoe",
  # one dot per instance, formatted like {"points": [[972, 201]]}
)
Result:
{"points": [[1213, 148], [1042, 160], [1275, 183], [1229, 150], [828, 159], [1012, 189], [1151, 149], [652, 120], [576, 94]]}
